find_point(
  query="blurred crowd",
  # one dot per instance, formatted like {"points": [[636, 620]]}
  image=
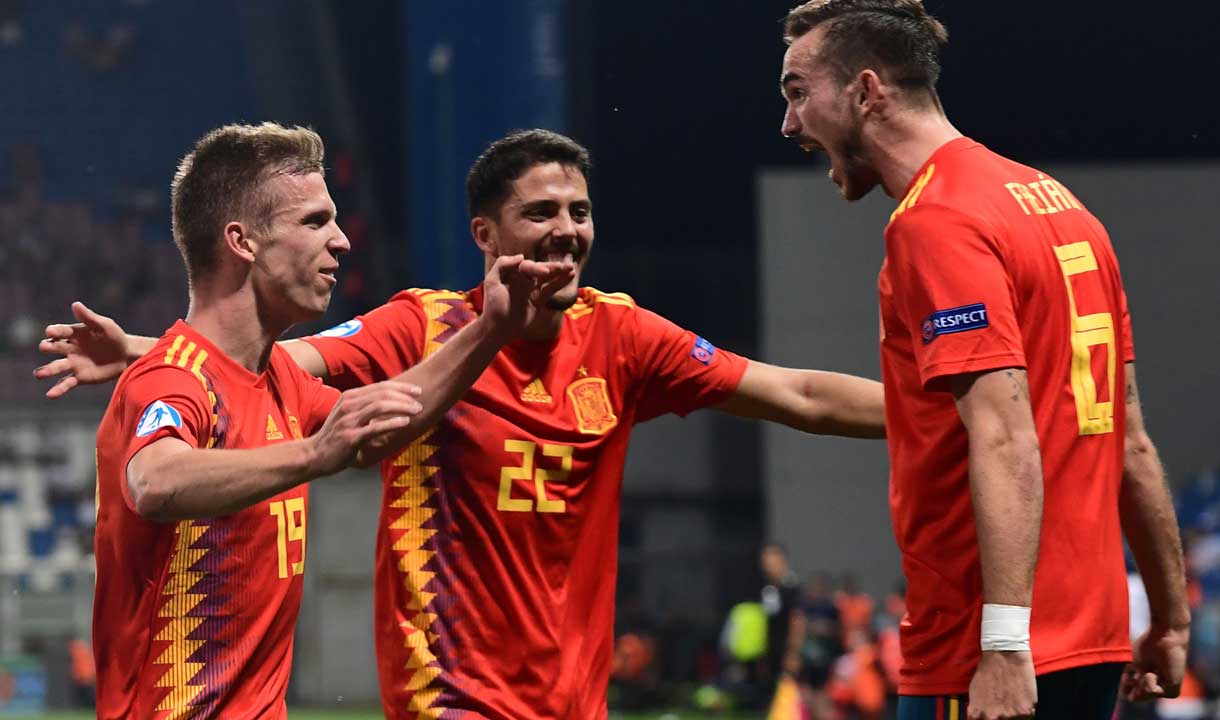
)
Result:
{"points": [[825, 650], [57, 250]]}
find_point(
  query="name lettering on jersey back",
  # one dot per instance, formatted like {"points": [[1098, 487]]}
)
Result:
{"points": [[1044, 196]]}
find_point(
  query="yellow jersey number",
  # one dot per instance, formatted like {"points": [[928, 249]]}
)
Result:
{"points": [[541, 476], [1093, 417], [290, 527]]}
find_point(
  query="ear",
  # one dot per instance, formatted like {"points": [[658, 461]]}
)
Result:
{"points": [[870, 93], [239, 242], [483, 230]]}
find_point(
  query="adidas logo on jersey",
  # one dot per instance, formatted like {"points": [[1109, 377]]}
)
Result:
{"points": [[273, 431], [536, 393]]}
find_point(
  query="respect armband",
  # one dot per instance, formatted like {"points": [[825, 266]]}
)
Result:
{"points": [[1004, 627]]}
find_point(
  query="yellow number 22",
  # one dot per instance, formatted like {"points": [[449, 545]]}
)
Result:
{"points": [[290, 526], [541, 476], [1094, 417]]}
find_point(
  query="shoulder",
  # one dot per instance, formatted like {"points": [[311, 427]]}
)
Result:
{"points": [[930, 223], [591, 301], [411, 299], [426, 295], [427, 301], [968, 178], [175, 361]]}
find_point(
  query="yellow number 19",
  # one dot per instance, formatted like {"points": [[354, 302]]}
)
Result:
{"points": [[1094, 417], [290, 526]]}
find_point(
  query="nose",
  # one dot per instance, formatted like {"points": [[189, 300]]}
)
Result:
{"points": [[565, 227], [339, 244], [791, 127]]}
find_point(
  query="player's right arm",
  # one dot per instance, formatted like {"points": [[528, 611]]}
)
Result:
{"points": [[1005, 468], [1151, 529], [169, 479], [96, 350]]}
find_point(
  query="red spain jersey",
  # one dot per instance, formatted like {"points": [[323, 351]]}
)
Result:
{"points": [[990, 264], [195, 619], [497, 547]]}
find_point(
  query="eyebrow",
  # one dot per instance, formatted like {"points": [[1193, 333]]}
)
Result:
{"points": [[321, 214], [547, 203]]}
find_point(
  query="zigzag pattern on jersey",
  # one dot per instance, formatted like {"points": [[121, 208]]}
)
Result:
{"points": [[412, 530], [190, 589], [591, 297]]}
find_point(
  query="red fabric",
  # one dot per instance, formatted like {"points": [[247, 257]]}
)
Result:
{"points": [[977, 228], [498, 541], [194, 618]]}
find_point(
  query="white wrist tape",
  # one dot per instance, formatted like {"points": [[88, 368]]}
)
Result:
{"points": [[1005, 627]]}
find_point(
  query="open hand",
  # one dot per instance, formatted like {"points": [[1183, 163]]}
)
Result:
{"points": [[94, 351]]}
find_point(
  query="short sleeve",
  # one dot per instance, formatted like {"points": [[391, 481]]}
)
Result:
{"points": [[952, 290], [375, 346], [1128, 348], [162, 402], [317, 400], [677, 370]]}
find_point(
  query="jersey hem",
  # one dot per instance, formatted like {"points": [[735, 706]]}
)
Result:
{"points": [[1077, 659]]}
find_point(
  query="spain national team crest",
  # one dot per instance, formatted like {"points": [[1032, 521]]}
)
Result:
{"points": [[591, 403]]}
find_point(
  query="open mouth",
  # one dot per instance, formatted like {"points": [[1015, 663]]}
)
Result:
{"points": [[812, 146], [329, 274], [557, 256]]}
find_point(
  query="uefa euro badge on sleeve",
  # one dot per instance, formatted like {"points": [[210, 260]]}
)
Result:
{"points": [[157, 415], [351, 327], [703, 351], [591, 403]]}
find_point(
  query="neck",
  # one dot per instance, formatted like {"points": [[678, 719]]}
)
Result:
{"points": [[902, 143], [545, 326], [232, 322]]}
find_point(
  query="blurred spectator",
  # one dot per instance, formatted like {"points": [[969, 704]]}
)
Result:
{"points": [[889, 648], [856, 684], [823, 643], [83, 672], [781, 600], [855, 607]]}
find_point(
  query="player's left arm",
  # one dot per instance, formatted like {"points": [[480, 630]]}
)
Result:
{"points": [[1006, 491], [815, 401], [1145, 508]]}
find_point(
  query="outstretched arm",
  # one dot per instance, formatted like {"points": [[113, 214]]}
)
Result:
{"points": [[97, 350], [826, 403]]}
